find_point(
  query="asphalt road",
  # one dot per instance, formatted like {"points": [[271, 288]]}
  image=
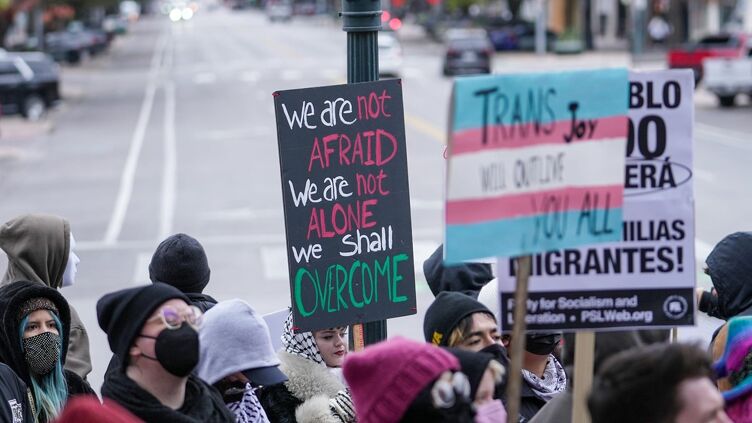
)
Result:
{"points": [[174, 131]]}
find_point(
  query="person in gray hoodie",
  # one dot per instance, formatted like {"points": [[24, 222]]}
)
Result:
{"points": [[40, 249], [237, 357]]}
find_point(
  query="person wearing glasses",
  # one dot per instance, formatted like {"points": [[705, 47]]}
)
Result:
{"points": [[153, 332], [34, 334]]}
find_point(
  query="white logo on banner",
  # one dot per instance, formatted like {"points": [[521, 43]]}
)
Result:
{"points": [[675, 307]]}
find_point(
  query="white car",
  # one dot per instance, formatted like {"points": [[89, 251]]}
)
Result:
{"points": [[728, 77], [390, 55]]}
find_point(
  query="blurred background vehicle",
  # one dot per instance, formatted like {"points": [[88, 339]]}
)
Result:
{"points": [[29, 84], [691, 56], [279, 10], [468, 51], [390, 54], [511, 35], [727, 77]]}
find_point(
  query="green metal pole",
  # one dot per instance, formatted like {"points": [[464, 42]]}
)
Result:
{"points": [[362, 21]]}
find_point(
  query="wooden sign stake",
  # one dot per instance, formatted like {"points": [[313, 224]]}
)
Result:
{"points": [[518, 339]]}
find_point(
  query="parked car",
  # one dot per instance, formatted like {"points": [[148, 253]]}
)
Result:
{"points": [[516, 35], [76, 43], [29, 84], [390, 54], [279, 10], [729, 77], [467, 52], [720, 45]]}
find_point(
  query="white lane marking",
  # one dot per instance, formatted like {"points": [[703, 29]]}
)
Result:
{"points": [[291, 74], [234, 134], [333, 74], [169, 175], [249, 76], [204, 78], [274, 260], [141, 271], [137, 141], [244, 213], [723, 136]]}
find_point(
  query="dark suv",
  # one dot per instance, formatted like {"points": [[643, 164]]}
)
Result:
{"points": [[467, 52], [29, 84]]}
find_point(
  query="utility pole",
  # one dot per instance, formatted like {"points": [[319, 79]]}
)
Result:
{"points": [[362, 22]]}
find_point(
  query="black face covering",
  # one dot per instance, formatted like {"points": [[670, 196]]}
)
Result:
{"points": [[542, 343], [177, 350], [42, 352], [498, 352]]}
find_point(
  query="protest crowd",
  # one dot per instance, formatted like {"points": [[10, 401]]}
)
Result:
{"points": [[181, 356]]}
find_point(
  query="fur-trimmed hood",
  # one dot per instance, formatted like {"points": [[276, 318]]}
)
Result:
{"points": [[306, 379], [314, 385]]}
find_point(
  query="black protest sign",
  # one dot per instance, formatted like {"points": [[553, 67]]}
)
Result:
{"points": [[345, 190]]}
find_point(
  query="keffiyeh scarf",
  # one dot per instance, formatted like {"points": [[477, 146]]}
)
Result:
{"points": [[553, 382], [248, 409], [301, 344]]}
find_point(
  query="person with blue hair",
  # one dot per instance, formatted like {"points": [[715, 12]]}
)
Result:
{"points": [[34, 332]]}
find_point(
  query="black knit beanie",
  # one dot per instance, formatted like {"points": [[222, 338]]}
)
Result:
{"points": [[446, 312], [180, 261], [122, 314]]}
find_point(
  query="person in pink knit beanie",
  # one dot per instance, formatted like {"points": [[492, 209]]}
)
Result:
{"points": [[400, 380]]}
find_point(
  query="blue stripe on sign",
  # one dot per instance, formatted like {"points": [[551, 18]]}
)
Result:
{"points": [[516, 237], [599, 93]]}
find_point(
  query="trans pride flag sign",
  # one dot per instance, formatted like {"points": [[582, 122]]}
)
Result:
{"points": [[536, 162]]}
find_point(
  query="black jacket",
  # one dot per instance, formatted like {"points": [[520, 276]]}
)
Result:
{"points": [[202, 402], [279, 403], [14, 402], [202, 301], [530, 403]]}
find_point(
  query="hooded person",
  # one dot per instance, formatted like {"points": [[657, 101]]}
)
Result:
{"points": [[484, 375], [315, 391], [399, 380], [40, 249], [34, 331], [734, 367], [180, 261], [468, 278], [153, 331], [729, 266], [237, 357]]}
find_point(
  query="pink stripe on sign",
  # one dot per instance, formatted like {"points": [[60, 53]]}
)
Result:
{"points": [[528, 204], [511, 136]]}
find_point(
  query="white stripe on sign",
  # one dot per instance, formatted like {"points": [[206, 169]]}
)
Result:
{"points": [[493, 173]]}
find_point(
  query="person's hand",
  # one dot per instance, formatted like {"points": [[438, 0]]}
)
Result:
{"points": [[698, 295], [342, 406]]}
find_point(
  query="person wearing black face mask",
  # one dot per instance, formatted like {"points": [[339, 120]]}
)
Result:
{"points": [[153, 332]]}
